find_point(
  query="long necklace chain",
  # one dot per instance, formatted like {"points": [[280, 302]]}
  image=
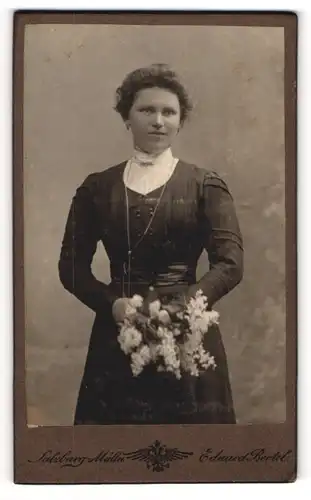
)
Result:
{"points": [[130, 249]]}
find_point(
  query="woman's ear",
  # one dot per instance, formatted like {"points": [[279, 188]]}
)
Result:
{"points": [[127, 124]]}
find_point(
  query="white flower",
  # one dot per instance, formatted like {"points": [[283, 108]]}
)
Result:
{"points": [[202, 324], [176, 332], [170, 368], [194, 371], [138, 362], [197, 312], [154, 308], [206, 360], [136, 301], [130, 312], [145, 354], [136, 365], [134, 337], [129, 338], [162, 332], [188, 362], [200, 297], [170, 351], [213, 317], [155, 351], [197, 304], [169, 355]]}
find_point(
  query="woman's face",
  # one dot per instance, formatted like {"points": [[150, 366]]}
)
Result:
{"points": [[154, 119]]}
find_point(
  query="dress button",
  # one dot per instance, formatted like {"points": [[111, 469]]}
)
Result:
{"points": [[137, 213]]}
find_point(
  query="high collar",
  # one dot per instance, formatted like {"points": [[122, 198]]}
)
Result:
{"points": [[145, 159]]}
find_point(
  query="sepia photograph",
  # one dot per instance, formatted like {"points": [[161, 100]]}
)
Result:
{"points": [[155, 234], [154, 168]]}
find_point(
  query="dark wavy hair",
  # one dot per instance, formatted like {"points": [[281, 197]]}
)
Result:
{"points": [[155, 75]]}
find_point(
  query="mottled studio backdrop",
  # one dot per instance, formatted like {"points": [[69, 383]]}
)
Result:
{"points": [[235, 76]]}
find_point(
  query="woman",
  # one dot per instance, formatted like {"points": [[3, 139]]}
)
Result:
{"points": [[154, 215]]}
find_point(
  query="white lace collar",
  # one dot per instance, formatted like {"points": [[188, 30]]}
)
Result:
{"points": [[143, 159], [144, 173]]}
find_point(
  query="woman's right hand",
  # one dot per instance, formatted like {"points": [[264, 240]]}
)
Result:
{"points": [[119, 309]]}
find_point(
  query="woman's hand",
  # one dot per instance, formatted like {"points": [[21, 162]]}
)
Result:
{"points": [[175, 308], [119, 309]]}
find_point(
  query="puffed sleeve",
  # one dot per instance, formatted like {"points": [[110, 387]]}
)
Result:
{"points": [[222, 239], [78, 248]]}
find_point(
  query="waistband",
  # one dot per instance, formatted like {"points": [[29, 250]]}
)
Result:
{"points": [[174, 279]]}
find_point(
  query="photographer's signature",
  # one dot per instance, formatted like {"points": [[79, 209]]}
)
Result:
{"points": [[159, 457], [256, 455]]}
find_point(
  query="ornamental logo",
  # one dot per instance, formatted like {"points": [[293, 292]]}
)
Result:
{"points": [[157, 456]]}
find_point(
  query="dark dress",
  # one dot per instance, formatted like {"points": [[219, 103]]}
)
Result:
{"points": [[195, 212]]}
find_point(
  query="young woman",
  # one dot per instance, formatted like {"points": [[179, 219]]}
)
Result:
{"points": [[154, 214]]}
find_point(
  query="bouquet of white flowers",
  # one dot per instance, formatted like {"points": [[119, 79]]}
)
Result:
{"points": [[173, 345]]}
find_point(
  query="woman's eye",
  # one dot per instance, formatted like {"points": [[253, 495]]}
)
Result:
{"points": [[147, 110], [169, 112], [165, 112]]}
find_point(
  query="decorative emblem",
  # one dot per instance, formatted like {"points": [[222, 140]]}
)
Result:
{"points": [[157, 456]]}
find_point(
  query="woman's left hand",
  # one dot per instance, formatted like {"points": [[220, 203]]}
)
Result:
{"points": [[174, 308]]}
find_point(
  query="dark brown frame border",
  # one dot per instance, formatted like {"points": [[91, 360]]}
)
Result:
{"points": [[278, 440]]}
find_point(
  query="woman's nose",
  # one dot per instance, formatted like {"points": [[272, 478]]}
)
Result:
{"points": [[158, 120]]}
